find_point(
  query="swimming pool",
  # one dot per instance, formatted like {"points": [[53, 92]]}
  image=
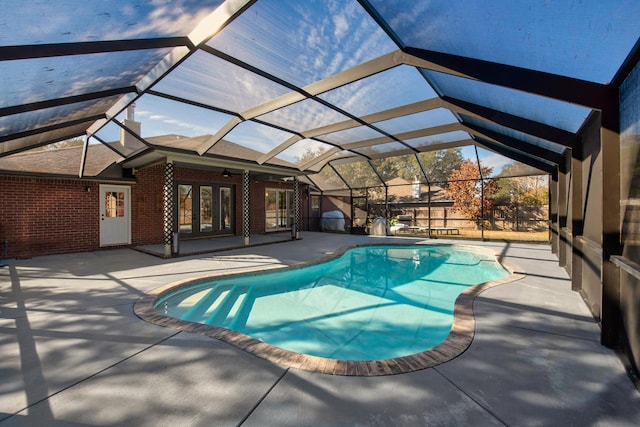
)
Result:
{"points": [[371, 303]]}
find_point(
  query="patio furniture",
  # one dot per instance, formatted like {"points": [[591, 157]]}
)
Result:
{"points": [[445, 230]]}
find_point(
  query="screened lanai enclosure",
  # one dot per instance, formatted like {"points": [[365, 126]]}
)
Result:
{"points": [[430, 118], [434, 193]]}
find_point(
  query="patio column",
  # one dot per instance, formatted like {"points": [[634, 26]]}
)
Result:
{"points": [[429, 207], [563, 204], [246, 206], [296, 207], [554, 184], [482, 206], [167, 205], [577, 217], [611, 313]]}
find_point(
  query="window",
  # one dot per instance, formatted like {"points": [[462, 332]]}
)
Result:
{"points": [[114, 204]]}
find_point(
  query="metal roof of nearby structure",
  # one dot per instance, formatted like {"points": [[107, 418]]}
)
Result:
{"points": [[306, 83]]}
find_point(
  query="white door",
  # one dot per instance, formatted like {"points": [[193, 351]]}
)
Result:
{"points": [[115, 215]]}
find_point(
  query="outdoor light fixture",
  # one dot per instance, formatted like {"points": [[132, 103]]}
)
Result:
{"points": [[226, 173]]}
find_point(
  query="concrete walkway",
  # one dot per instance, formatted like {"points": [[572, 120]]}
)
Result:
{"points": [[72, 353], [216, 244]]}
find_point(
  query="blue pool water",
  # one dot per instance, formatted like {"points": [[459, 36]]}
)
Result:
{"points": [[371, 303]]}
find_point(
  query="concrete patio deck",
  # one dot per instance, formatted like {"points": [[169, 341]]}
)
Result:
{"points": [[72, 353], [217, 244]]}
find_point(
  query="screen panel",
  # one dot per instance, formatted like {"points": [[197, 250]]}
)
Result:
{"points": [[303, 42], [209, 80], [630, 164], [44, 79], [520, 136], [537, 108], [257, 137], [585, 40], [358, 174], [355, 134], [383, 91], [303, 116], [159, 116], [67, 21], [36, 119], [303, 151], [421, 120]]}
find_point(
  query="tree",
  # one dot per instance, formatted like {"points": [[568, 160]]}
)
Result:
{"points": [[405, 166], [326, 176], [465, 189], [309, 154], [523, 188], [439, 164]]}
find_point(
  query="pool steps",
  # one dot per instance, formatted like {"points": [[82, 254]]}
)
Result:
{"points": [[200, 308], [242, 313], [222, 312]]}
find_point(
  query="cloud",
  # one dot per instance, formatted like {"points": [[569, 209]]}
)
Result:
{"points": [[495, 161], [158, 117], [341, 25], [162, 19]]}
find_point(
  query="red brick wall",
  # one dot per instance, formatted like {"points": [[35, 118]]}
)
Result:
{"points": [[147, 210], [256, 203], [41, 216]]}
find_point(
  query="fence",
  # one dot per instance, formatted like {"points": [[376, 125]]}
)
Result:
{"points": [[504, 218]]}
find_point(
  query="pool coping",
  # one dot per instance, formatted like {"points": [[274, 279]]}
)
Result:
{"points": [[459, 339]]}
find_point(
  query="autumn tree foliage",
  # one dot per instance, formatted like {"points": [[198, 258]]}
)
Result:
{"points": [[465, 189]]}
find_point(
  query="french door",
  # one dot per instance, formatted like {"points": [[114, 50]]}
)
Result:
{"points": [[279, 209], [204, 209]]}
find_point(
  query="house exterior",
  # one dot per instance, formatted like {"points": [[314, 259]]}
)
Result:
{"points": [[131, 203]]}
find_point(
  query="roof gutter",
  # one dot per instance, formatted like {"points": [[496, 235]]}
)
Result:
{"points": [[224, 163]]}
